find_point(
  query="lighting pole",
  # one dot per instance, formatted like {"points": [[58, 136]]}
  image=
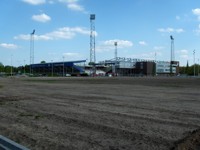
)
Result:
{"points": [[11, 66], [172, 55], [194, 61], [155, 61], [115, 68], [63, 66], [92, 44], [24, 66], [52, 68], [198, 67], [32, 50]]}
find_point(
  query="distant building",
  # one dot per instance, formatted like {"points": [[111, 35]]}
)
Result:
{"points": [[114, 67], [139, 67], [59, 68], [145, 68], [164, 67]]}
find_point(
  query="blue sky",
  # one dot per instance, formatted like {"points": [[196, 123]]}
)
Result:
{"points": [[142, 29]]}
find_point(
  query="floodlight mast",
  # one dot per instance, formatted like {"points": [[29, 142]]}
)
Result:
{"points": [[32, 50], [92, 43], [194, 62], [172, 55], [115, 50], [115, 67]]}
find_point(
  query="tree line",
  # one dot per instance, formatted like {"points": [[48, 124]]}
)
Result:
{"points": [[190, 70], [15, 70]]}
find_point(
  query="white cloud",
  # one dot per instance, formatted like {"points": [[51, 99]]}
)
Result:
{"points": [[143, 43], [196, 12], [41, 18], [8, 46], [170, 30], [184, 51], [73, 5], [109, 45], [34, 2], [184, 54], [120, 43], [179, 30], [61, 33], [68, 1]]}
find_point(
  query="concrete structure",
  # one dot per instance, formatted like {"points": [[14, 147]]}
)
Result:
{"points": [[121, 67], [59, 68], [145, 68], [167, 68], [134, 67], [130, 67]]}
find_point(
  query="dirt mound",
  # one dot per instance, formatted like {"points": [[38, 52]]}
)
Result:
{"points": [[191, 142]]}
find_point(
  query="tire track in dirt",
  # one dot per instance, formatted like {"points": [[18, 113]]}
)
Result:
{"points": [[110, 131]]}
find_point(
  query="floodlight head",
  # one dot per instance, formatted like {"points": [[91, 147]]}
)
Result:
{"points": [[33, 32], [92, 17], [115, 43], [171, 37]]}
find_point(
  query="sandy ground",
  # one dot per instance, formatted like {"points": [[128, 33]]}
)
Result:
{"points": [[101, 113]]}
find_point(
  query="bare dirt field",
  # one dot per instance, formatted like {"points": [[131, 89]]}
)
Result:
{"points": [[101, 113]]}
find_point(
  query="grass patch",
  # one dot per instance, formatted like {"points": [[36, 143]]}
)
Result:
{"points": [[34, 116], [26, 115]]}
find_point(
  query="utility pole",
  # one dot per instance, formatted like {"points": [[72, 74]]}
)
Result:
{"points": [[24, 67], [198, 67], [155, 62], [52, 68], [194, 61], [11, 71], [32, 50], [172, 55], [115, 67], [63, 67], [92, 44]]}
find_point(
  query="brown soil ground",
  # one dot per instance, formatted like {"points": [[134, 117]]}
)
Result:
{"points": [[101, 113]]}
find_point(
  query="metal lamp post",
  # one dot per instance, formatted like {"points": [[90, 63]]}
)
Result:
{"points": [[24, 66], [63, 66], [115, 67], [194, 61], [198, 67], [172, 55], [52, 68], [11, 67]]}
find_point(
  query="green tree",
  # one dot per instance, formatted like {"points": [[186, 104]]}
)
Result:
{"points": [[43, 62], [187, 68], [1, 67]]}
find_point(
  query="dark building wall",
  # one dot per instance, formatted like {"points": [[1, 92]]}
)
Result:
{"points": [[145, 68]]}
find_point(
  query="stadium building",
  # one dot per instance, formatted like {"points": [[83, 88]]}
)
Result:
{"points": [[66, 68], [113, 67]]}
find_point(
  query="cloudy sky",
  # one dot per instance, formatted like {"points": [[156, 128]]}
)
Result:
{"points": [[142, 29]]}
